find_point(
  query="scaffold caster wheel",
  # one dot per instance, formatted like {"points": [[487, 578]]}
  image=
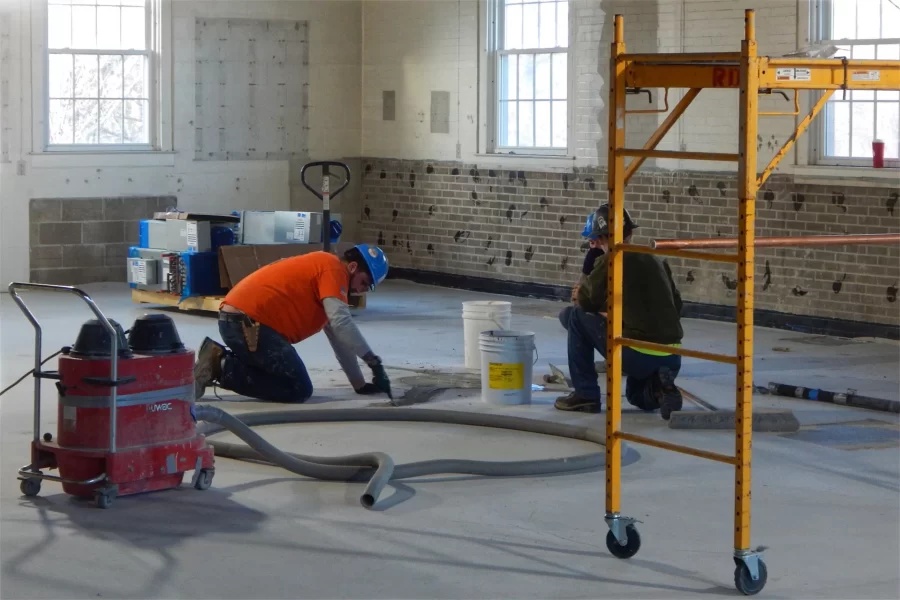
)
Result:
{"points": [[30, 486], [744, 582], [204, 479], [630, 548], [104, 499]]}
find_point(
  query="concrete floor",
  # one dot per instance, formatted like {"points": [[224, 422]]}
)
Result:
{"points": [[825, 500]]}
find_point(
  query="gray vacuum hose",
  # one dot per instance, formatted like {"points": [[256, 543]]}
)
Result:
{"points": [[378, 468]]}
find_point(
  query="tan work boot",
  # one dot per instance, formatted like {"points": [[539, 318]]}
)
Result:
{"points": [[574, 402], [208, 367]]}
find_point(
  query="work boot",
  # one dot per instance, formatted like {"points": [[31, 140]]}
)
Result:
{"points": [[574, 402], [671, 396], [208, 367]]}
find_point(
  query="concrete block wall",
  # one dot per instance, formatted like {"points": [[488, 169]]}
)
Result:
{"points": [[525, 226], [75, 241]]}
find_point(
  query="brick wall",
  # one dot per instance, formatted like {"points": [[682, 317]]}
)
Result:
{"points": [[84, 240], [525, 226]]}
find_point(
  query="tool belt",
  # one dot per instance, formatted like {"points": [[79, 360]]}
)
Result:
{"points": [[249, 327]]}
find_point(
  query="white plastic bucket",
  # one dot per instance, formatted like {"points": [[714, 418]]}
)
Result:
{"points": [[478, 316], [506, 366]]}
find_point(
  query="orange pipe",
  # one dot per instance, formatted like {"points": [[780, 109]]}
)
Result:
{"points": [[765, 242]]}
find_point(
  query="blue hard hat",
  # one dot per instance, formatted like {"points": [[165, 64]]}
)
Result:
{"points": [[335, 231], [376, 261], [597, 223]]}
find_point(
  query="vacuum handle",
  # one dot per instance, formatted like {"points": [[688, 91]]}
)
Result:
{"points": [[13, 289], [325, 174]]}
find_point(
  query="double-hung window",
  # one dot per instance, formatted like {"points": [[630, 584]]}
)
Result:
{"points": [[99, 85], [530, 43], [861, 29]]}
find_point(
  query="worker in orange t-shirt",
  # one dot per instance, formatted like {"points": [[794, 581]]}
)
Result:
{"points": [[284, 303]]}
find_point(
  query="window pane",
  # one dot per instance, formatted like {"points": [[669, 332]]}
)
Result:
{"points": [[509, 124], [562, 24], [512, 30], [134, 2], [108, 33], [111, 113], [542, 137], [843, 20], [508, 70], [86, 119], [866, 51], [59, 27], [86, 76], [60, 76], [542, 77], [838, 143], [134, 35], [548, 25], [863, 129], [61, 126], [110, 77], [526, 76], [135, 77], [526, 124], [136, 122], [84, 27], [889, 127], [868, 21], [890, 19], [560, 70], [530, 37], [560, 125], [107, 2]]}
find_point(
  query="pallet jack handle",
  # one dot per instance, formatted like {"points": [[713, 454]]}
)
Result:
{"points": [[14, 288], [325, 195]]}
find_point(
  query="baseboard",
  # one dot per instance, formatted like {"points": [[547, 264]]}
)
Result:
{"points": [[692, 310]]}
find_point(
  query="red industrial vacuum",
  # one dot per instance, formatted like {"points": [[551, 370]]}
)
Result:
{"points": [[125, 416]]}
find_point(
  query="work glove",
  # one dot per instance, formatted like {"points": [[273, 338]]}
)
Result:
{"points": [[379, 378], [368, 390]]}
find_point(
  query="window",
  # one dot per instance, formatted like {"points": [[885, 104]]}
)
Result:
{"points": [[861, 29], [99, 64], [530, 40]]}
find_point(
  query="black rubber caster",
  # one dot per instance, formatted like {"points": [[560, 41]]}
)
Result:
{"points": [[30, 486], [48, 437], [204, 479], [630, 548], [104, 499], [744, 583]]}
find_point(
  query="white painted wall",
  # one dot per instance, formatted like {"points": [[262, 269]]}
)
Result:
{"points": [[334, 121], [416, 47]]}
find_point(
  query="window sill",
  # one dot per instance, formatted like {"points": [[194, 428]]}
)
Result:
{"points": [[848, 176], [535, 161], [62, 159]]}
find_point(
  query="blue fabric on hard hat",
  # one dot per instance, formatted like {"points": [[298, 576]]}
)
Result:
{"points": [[376, 261], [588, 226]]}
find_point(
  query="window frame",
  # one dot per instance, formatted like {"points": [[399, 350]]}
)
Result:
{"points": [[152, 46], [495, 21], [820, 23]]}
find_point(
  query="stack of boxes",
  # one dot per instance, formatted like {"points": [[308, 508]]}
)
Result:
{"points": [[178, 252]]}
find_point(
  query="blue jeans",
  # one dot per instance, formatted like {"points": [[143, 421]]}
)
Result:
{"points": [[274, 372], [587, 332]]}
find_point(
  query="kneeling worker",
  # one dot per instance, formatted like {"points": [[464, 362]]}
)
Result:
{"points": [[284, 303], [651, 311]]}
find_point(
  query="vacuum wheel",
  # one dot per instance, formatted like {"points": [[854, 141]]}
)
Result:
{"points": [[204, 479], [630, 548], [104, 498], [30, 486], [744, 582]]}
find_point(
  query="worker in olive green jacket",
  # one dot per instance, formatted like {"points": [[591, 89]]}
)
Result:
{"points": [[651, 311]]}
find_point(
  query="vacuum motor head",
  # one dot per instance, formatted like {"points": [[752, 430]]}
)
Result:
{"points": [[93, 340], [154, 334]]}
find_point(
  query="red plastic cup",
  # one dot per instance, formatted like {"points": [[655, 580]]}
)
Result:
{"points": [[878, 154]]}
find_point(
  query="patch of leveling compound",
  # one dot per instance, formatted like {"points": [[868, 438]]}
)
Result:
{"points": [[429, 384]]}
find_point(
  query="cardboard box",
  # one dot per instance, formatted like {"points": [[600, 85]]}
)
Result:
{"points": [[236, 262]]}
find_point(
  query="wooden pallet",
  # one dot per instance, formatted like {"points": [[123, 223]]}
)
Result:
{"points": [[204, 303]]}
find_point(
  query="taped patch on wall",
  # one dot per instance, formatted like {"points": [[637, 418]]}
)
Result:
{"points": [[440, 112]]}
